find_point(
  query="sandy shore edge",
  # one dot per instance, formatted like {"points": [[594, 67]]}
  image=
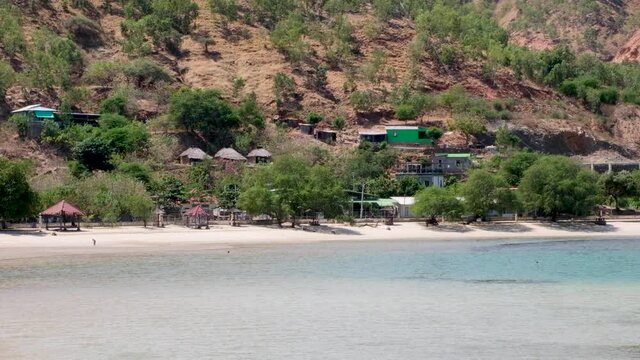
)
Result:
{"points": [[130, 240]]}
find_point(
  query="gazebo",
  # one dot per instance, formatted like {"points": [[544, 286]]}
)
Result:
{"points": [[64, 212], [197, 217]]}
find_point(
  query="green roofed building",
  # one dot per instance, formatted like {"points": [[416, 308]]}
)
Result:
{"points": [[37, 112], [408, 135]]}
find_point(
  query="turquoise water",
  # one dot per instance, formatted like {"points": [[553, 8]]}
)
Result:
{"points": [[342, 300]]}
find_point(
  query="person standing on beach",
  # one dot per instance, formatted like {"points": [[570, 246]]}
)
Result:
{"points": [[94, 242]]}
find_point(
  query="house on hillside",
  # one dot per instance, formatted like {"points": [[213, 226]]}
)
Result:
{"points": [[408, 135], [327, 136], [373, 136], [192, 155], [259, 156], [451, 163], [37, 114]]}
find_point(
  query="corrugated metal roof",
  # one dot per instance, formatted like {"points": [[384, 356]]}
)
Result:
{"points": [[465, 155], [404, 200], [36, 107], [372, 132], [403, 128]]}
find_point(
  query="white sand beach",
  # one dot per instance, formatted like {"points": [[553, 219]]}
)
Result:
{"points": [[19, 244]]}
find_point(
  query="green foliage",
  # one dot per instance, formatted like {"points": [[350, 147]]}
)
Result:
{"points": [[467, 124], [314, 118], [618, 185], [408, 186], [7, 77], [513, 168], [204, 111], [287, 37], [484, 191], [556, 185], [372, 69], [20, 122], [289, 188], [145, 73], [238, 83], [505, 139], [339, 123], [249, 111], [18, 199], [135, 43], [319, 80], [136, 170], [84, 31], [284, 87], [52, 60], [270, 12], [168, 190], [94, 153], [367, 162], [117, 103], [405, 112], [363, 101], [11, 34], [201, 175], [225, 8], [435, 201]]}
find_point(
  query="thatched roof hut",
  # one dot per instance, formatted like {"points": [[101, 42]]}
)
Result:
{"points": [[230, 155], [192, 155], [259, 155]]}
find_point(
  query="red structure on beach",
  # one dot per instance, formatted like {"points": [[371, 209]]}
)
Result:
{"points": [[63, 211]]}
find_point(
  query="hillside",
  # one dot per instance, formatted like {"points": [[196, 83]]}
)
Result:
{"points": [[363, 52]]}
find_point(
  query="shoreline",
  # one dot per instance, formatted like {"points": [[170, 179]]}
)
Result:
{"points": [[24, 244]]}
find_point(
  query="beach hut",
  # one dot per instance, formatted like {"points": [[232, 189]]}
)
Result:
{"points": [[197, 217], [63, 212], [192, 155], [259, 156], [229, 154]]}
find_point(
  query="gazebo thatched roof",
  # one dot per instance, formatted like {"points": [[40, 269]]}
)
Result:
{"points": [[230, 154], [260, 152], [62, 208], [196, 211], [195, 154]]}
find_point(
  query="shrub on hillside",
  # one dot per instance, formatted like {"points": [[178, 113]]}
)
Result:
{"points": [[405, 112], [364, 101], [314, 118], [7, 76], [102, 72], [145, 73], [52, 60], [11, 35], [85, 32]]}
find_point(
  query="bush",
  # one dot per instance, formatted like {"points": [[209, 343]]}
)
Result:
{"points": [[103, 72], [115, 104], [434, 133], [145, 73], [363, 100], [20, 122], [84, 31], [11, 34], [52, 60], [284, 87], [339, 123], [314, 118], [94, 154], [631, 96], [405, 112], [7, 77], [609, 96], [287, 38]]}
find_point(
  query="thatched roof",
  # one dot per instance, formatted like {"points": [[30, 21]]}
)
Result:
{"points": [[62, 208], [195, 154], [260, 152], [229, 154]]}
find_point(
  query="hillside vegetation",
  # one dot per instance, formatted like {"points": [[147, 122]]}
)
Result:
{"points": [[168, 74]]}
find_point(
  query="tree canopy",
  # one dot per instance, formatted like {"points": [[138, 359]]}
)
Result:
{"points": [[18, 199]]}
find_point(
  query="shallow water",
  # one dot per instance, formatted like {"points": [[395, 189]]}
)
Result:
{"points": [[341, 300]]}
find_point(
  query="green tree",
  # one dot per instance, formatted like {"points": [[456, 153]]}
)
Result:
{"points": [[556, 185], [484, 191], [52, 60], [408, 186], [505, 139], [228, 9], [434, 201], [617, 185], [168, 190], [287, 37], [204, 111], [513, 168], [11, 33], [467, 124], [18, 199]]}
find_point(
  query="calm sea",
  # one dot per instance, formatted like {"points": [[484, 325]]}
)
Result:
{"points": [[346, 300]]}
